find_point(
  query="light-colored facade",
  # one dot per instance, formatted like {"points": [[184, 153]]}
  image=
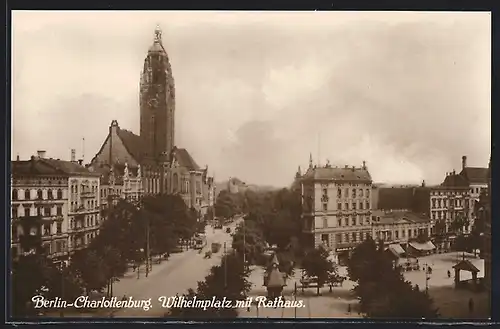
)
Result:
{"points": [[399, 226], [56, 192], [336, 206]]}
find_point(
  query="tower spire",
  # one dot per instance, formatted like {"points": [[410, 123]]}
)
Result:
{"points": [[310, 160]]}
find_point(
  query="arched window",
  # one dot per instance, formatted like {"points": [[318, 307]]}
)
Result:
{"points": [[175, 183], [59, 194], [27, 194], [14, 194], [39, 194], [50, 195]]}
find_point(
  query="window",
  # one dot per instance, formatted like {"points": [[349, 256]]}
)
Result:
{"points": [[354, 193], [360, 193], [324, 239], [50, 196], [27, 194], [367, 193], [59, 194], [59, 228], [403, 233], [325, 222], [339, 193], [59, 211], [338, 237], [325, 206], [339, 222], [325, 191], [346, 206], [14, 211], [367, 219], [46, 229], [14, 194], [339, 206], [354, 237], [354, 205], [367, 205], [396, 234], [15, 233], [353, 221], [433, 203], [46, 211], [27, 211], [361, 205], [409, 233], [346, 221], [39, 194]]}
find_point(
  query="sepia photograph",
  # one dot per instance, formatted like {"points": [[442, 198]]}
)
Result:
{"points": [[224, 165]]}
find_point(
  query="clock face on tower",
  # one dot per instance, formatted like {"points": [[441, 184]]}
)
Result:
{"points": [[153, 102]]}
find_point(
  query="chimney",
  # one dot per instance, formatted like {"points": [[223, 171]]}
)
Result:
{"points": [[364, 165], [17, 158], [353, 168], [41, 154], [80, 162], [73, 155], [346, 166], [454, 172], [423, 183], [464, 162]]}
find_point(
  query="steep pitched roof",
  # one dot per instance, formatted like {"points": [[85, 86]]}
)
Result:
{"points": [[454, 180], [133, 143], [466, 265], [185, 159], [475, 175], [39, 166], [338, 174]]}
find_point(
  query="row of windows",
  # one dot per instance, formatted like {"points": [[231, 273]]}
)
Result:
{"points": [[387, 235], [83, 188], [89, 205], [440, 214], [90, 220], [354, 205], [345, 237], [349, 221], [40, 211], [39, 194], [444, 203], [47, 230], [355, 193]]}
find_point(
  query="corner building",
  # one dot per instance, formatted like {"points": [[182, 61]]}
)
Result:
{"points": [[336, 207]]}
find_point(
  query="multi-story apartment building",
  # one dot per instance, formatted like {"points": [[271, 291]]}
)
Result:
{"points": [[336, 206], [52, 191]]}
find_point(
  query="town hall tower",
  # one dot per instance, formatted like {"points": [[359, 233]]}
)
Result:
{"points": [[157, 101]]}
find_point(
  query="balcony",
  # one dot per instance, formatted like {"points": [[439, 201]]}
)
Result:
{"points": [[53, 218], [42, 202]]}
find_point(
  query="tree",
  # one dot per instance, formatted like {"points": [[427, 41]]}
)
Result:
{"points": [[29, 274], [459, 223], [381, 287], [248, 239], [316, 264], [91, 268]]}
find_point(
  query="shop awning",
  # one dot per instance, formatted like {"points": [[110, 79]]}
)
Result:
{"points": [[427, 246], [396, 248]]}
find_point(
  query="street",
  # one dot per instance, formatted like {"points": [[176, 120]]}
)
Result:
{"points": [[175, 276]]}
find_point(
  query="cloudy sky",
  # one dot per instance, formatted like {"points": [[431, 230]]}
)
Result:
{"points": [[256, 92]]}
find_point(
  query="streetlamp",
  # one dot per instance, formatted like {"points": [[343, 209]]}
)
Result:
{"points": [[141, 251], [62, 266]]}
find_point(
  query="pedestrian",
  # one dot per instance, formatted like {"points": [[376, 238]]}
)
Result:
{"points": [[471, 305], [349, 308], [449, 274], [134, 267]]}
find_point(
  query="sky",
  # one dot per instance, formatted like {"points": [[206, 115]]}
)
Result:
{"points": [[257, 92]]}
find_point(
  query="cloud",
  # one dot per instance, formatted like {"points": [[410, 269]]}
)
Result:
{"points": [[407, 92]]}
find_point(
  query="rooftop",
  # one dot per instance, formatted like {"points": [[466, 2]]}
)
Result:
{"points": [[338, 174], [37, 166], [394, 217]]}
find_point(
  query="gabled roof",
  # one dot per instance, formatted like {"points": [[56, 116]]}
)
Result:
{"points": [[338, 174], [133, 143], [475, 175], [184, 159], [42, 166], [466, 265], [454, 180]]}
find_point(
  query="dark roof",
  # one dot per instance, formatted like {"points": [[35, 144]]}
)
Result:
{"points": [[338, 174], [475, 175], [455, 180], [42, 166], [387, 218], [185, 159], [395, 198], [133, 143], [466, 265]]}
